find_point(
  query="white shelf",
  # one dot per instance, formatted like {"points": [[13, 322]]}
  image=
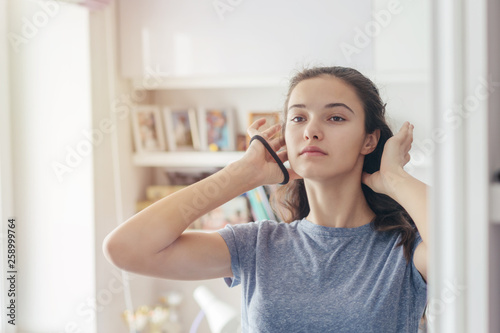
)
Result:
{"points": [[198, 159], [208, 82], [218, 82], [495, 203]]}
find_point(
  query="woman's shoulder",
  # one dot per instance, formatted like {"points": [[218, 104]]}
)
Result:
{"points": [[247, 235], [267, 225], [262, 227]]}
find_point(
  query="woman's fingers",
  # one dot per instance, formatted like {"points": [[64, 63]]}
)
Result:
{"points": [[255, 129], [404, 137], [407, 158], [275, 141], [409, 137], [283, 155], [409, 134], [405, 140]]}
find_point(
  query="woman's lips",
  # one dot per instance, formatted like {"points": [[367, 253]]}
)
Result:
{"points": [[313, 151]]}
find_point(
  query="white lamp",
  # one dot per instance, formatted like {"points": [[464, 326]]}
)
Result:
{"points": [[221, 317]]}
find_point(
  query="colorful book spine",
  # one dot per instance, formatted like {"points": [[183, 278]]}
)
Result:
{"points": [[259, 202], [264, 199]]}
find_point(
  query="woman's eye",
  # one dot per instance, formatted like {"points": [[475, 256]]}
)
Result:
{"points": [[297, 119], [337, 118]]}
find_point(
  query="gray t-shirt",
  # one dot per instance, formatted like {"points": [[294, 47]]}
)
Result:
{"points": [[302, 277]]}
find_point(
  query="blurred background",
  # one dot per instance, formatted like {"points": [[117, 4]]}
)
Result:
{"points": [[109, 105]]}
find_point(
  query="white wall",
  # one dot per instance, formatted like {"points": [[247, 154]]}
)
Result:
{"points": [[50, 110], [113, 204]]}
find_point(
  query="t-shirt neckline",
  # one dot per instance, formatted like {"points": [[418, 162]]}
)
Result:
{"points": [[311, 227]]}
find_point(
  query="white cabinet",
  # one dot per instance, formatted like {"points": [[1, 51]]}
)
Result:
{"points": [[227, 40], [403, 42]]}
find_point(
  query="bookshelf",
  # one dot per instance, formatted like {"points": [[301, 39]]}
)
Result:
{"points": [[199, 159]]}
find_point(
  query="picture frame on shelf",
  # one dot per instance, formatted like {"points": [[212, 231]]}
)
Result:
{"points": [[181, 129], [235, 211], [241, 142], [147, 128], [272, 118], [217, 129]]}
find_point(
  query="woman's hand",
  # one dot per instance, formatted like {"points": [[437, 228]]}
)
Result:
{"points": [[264, 167], [394, 157], [406, 190]]}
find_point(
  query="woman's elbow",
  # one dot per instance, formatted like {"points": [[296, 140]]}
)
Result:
{"points": [[115, 252]]}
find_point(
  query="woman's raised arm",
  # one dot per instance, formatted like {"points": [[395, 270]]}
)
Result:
{"points": [[408, 191], [153, 241]]}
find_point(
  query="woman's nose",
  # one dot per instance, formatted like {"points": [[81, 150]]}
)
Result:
{"points": [[313, 131]]}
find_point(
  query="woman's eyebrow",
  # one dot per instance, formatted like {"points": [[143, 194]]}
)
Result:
{"points": [[334, 105], [298, 106], [328, 106]]}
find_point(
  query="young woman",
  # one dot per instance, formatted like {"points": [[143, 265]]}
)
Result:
{"points": [[352, 257]]}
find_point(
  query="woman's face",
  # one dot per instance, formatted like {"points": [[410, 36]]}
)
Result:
{"points": [[325, 129]]}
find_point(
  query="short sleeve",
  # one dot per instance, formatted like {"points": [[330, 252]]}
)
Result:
{"points": [[240, 240], [418, 280]]}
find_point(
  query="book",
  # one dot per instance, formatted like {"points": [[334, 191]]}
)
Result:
{"points": [[232, 212], [259, 202], [264, 200]]}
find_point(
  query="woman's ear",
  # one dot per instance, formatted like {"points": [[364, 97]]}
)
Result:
{"points": [[371, 142]]}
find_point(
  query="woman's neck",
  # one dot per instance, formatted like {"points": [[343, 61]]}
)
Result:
{"points": [[339, 203]]}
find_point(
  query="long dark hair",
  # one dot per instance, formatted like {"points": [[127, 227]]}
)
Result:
{"points": [[290, 201]]}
